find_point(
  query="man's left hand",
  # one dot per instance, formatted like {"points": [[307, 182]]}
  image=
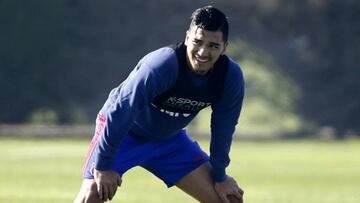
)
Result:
{"points": [[227, 188]]}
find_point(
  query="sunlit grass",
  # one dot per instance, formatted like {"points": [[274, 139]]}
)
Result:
{"points": [[35, 171]]}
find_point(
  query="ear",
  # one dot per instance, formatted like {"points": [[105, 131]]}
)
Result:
{"points": [[186, 37], [225, 47]]}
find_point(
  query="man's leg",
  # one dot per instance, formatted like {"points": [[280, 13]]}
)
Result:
{"points": [[88, 192], [199, 184], [130, 154]]}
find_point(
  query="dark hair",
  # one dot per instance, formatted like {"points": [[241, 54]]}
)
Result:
{"points": [[211, 19]]}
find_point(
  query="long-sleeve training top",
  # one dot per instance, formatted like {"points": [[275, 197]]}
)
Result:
{"points": [[162, 95]]}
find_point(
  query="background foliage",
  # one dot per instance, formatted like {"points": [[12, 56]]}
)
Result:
{"points": [[59, 59]]}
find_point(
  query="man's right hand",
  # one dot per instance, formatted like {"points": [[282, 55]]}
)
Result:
{"points": [[107, 183], [229, 191]]}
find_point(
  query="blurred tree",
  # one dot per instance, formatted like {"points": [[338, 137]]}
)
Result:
{"points": [[317, 43], [65, 56], [37, 59], [322, 54]]}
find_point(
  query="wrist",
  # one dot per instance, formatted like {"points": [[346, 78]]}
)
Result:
{"points": [[218, 174]]}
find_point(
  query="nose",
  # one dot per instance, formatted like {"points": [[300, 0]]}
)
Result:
{"points": [[203, 51]]}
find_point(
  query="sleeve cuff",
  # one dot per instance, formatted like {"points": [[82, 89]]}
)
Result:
{"points": [[103, 165], [218, 174]]}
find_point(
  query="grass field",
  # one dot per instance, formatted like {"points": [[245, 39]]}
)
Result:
{"points": [[36, 171]]}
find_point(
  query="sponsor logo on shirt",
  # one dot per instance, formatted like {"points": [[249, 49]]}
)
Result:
{"points": [[183, 104]]}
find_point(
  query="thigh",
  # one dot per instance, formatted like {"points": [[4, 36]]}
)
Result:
{"points": [[199, 184], [175, 158]]}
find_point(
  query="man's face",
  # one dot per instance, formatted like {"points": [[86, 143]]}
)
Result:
{"points": [[203, 49]]}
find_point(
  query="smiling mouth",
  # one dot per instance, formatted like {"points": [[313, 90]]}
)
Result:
{"points": [[202, 60]]}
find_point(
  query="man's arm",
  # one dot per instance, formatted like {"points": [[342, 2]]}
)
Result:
{"points": [[223, 121], [153, 75]]}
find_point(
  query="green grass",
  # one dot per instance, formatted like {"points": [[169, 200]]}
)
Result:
{"points": [[36, 171]]}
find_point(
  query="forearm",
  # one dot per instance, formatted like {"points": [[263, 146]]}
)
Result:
{"points": [[219, 155]]}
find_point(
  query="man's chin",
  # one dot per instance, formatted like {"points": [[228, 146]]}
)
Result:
{"points": [[200, 71]]}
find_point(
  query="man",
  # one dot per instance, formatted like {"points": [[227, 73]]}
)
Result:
{"points": [[141, 123]]}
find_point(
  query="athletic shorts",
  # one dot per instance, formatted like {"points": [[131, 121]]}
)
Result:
{"points": [[169, 159]]}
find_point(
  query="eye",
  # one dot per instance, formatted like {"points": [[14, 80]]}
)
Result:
{"points": [[196, 41], [214, 46]]}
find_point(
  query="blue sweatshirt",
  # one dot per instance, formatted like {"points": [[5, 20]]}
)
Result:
{"points": [[146, 105]]}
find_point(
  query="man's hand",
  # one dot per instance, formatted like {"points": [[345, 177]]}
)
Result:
{"points": [[107, 183], [229, 187]]}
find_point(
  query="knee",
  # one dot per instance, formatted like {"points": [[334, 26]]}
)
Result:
{"points": [[210, 198], [233, 199], [88, 193], [91, 195], [214, 198]]}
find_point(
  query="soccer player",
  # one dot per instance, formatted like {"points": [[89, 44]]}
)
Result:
{"points": [[142, 121]]}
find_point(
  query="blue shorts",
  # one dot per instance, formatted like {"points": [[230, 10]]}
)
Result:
{"points": [[169, 159]]}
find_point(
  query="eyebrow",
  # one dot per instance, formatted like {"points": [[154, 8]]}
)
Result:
{"points": [[212, 43], [215, 44]]}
